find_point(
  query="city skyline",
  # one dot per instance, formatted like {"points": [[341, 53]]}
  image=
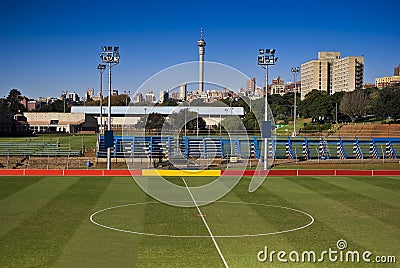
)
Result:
{"points": [[55, 46]]}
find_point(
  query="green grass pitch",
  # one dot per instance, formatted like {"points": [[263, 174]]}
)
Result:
{"points": [[44, 222]]}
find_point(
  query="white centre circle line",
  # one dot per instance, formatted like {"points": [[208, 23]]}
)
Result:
{"points": [[203, 236]]}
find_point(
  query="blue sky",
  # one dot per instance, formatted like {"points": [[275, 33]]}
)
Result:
{"points": [[51, 46]]}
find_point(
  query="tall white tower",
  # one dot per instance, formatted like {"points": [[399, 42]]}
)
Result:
{"points": [[201, 44]]}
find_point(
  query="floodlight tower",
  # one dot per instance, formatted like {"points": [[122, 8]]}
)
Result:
{"points": [[101, 68], [266, 57], [110, 56], [201, 44], [295, 71]]}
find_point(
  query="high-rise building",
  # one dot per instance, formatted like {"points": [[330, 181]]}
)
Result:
{"points": [[164, 95], [347, 74], [89, 94], [397, 71], [150, 97], [278, 86], [314, 75], [182, 92], [250, 87], [72, 96], [138, 98], [328, 56], [332, 74], [290, 86]]}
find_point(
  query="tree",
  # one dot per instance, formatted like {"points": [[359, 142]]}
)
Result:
{"points": [[317, 104], [177, 121], [169, 102], [240, 102], [354, 104], [153, 121], [250, 121], [231, 123], [4, 105], [386, 104], [281, 106], [118, 100], [14, 99], [198, 102], [55, 106]]}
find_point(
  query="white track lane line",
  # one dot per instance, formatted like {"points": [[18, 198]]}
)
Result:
{"points": [[208, 228]]}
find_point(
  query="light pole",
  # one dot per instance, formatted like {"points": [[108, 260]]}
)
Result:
{"points": [[185, 120], [336, 115], [145, 119], [220, 120], [197, 123], [295, 71], [127, 94], [101, 68], [266, 57], [110, 56], [64, 94]]}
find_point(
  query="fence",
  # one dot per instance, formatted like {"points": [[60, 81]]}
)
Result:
{"points": [[188, 147]]}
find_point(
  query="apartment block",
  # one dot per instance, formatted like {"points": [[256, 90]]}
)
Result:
{"points": [[347, 74], [331, 73], [387, 81], [278, 86], [397, 70], [314, 75], [250, 87]]}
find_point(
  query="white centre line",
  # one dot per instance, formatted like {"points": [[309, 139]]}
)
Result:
{"points": [[205, 223]]}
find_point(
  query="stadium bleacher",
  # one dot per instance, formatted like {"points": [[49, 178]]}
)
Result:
{"points": [[36, 149], [19, 154], [192, 150], [198, 148]]}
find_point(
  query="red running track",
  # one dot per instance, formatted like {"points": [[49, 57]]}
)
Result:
{"points": [[272, 173]]}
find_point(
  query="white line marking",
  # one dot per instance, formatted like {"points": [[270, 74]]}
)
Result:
{"points": [[205, 223], [201, 236]]}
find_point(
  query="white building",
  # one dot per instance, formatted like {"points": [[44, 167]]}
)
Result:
{"points": [[130, 115], [150, 97], [72, 96], [61, 122]]}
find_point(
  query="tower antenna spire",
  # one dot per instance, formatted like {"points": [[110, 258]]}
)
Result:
{"points": [[201, 44]]}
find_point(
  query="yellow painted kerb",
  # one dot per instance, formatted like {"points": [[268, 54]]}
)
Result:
{"points": [[183, 173]]}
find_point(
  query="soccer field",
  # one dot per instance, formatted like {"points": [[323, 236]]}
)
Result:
{"points": [[46, 221]]}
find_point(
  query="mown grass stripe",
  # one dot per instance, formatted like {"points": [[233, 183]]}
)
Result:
{"points": [[93, 246], [11, 185], [257, 218], [319, 236], [369, 206], [281, 191], [167, 219], [360, 228], [389, 183], [365, 188], [40, 238], [15, 208]]}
